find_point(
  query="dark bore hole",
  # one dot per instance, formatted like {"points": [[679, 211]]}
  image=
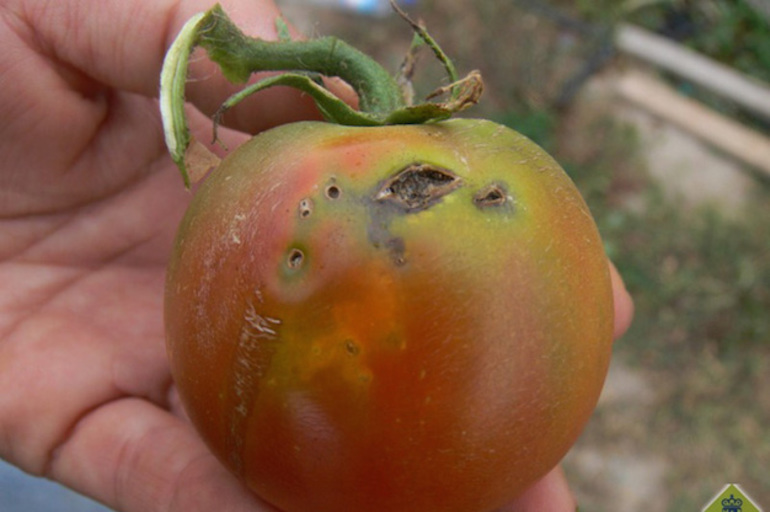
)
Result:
{"points": [[305, 208], [333, 192], [493, 195], [418, 187], [352, 348], [296, 257]]}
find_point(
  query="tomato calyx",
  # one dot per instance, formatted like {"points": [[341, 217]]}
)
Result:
{"points": [[383, 99]]}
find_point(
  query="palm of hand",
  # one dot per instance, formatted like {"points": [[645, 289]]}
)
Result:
{"points": [[87, 228]]}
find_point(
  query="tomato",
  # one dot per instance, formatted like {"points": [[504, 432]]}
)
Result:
{"points": [[399, 318]]}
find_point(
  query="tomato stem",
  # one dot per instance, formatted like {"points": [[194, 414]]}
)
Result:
{"points": [[382, 98], [240, 55]]}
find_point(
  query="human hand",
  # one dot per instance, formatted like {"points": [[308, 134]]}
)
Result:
{"points": [[89, 203]]}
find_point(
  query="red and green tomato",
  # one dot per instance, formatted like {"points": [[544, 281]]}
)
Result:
{"points": [[399, 318]]}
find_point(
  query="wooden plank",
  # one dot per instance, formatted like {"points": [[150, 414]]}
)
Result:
{"points": [[721, 132], [666, 54]]}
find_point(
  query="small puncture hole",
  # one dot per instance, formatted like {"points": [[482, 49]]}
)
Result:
{"points": [[352, 348], [333, 192], [305, 208], [493, 195], [296, 258]]}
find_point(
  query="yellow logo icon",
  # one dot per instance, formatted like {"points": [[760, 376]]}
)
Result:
{"points": [[731, 499]]}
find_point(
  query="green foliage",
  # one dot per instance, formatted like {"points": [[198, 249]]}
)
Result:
{"points": [[603, 10], [730, 31]]}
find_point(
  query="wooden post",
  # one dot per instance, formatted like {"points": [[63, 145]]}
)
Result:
{"points": [[721, 132]]}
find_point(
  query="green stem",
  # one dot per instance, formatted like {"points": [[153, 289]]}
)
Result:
{"points": [[422, 35], [301, 63], [240, 56]]}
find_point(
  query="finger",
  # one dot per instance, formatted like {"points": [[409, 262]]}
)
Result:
{"points": [[550, 494], [624, 304], [122, 45], [133, 456]]}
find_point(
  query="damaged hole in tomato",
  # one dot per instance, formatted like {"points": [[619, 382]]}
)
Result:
{"points": [[492, 195], [352, 348], [305, 208], [296, 258], [418, 187], [333, 192]]}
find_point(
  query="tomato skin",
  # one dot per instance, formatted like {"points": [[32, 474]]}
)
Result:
{"points": [[337, 352]]}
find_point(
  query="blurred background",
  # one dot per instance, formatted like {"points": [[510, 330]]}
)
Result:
{"points": [[660, 112]]}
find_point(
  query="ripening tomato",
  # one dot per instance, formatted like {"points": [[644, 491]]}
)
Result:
{"points": [[406, 318]]}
